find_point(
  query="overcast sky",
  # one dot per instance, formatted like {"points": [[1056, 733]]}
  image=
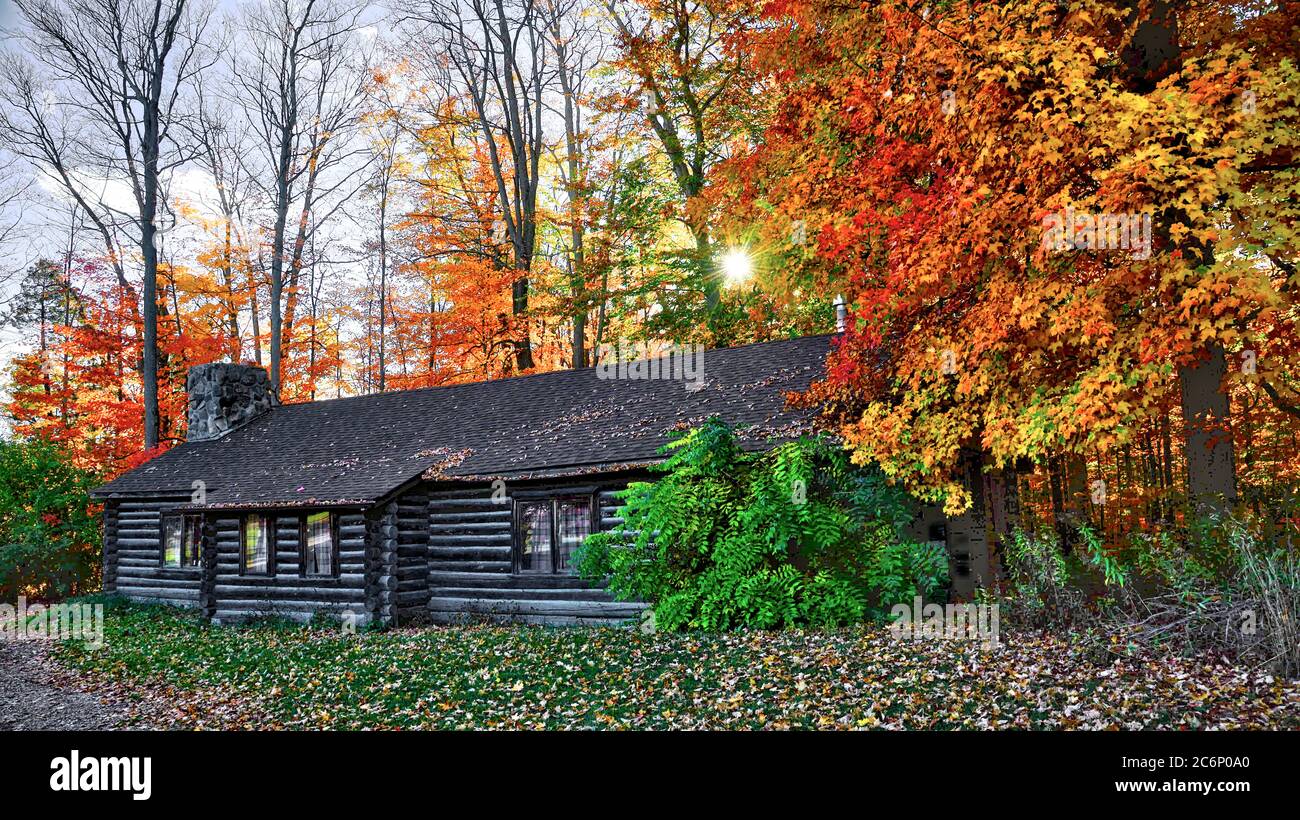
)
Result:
{"points": [[6, 336], [42, 228]]}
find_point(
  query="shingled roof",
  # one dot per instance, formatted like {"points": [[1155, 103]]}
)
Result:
{"points": [[360, 450]]}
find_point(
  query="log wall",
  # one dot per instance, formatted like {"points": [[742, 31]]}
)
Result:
{"points": [[133, 554], [109, 557], [412, 570], [405, 560], [236, 597], [381, 564], [470, 566]]}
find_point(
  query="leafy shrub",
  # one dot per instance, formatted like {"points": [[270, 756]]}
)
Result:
{"points": [[727, 538], [1047, 585], [1222, 588], [49, 531], [1040, 592]]}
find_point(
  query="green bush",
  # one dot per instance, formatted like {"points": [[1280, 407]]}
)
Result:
{"points": [[727, 538], [1041, 589], [49, 531], [1224, 587]]}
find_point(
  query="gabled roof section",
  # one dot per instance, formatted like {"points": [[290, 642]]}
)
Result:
{"points": [[360, 450]]}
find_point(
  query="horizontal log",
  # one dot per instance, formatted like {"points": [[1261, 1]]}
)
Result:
{"points": [[577, 593], [171, 593], [128, 543], [489, 540], [587, 609], [471, 527], [442, 506], [136, 579], [350, 580], [463, 492], [153, 504], [153, 554], [461, 618], [236, 611], [136, 530], [469, 553], [470, 566], [441, 577], [225, 592], [183, 603], [256, 605], [469, 521]]}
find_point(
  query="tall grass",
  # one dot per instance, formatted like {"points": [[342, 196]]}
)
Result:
{"points": [[1225, 589]]}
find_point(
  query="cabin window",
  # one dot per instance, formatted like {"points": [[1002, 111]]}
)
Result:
{"points": [[320, 543], [548, 532], [182, 540], [255, 545]]}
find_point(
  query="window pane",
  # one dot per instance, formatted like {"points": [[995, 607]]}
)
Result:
{"points": [[193, 540], [171, 537], [319, 545], [255, 544], [574, 525], [535, 537]]}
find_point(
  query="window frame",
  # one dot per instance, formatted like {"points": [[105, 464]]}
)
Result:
{"points": [[334, 545], [268, 526], [190, 524], [554, 498]]}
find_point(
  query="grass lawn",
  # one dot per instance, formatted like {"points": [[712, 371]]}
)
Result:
{"points": [[183, 673]]}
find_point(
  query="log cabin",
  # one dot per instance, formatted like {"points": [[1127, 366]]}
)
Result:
{"points": [[444, 504]]}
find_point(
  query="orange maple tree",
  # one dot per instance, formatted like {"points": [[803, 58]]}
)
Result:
{"points": [[929, 154]]}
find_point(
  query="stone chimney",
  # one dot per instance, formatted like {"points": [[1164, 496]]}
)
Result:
{"points": [[841, 314], [225, 397]]}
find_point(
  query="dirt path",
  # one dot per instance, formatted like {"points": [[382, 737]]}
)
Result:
{"points": [[36, 695]]}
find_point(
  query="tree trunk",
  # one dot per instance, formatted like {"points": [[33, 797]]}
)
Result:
{"points": [[383, 283], [149, 252], [523, 343], [277, 277], [232, 306], [1211, 481], [254, 309], [282, 194], [712, 282], [149, 357], [1211, 476]]}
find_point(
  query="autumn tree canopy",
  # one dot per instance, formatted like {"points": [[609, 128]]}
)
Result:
{"points": [[969, 176], [1065, 232]]}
